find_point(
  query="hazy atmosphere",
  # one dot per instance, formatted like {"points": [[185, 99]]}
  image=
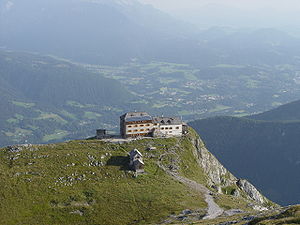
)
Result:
{"points": [[239, 13], [149, 112]]}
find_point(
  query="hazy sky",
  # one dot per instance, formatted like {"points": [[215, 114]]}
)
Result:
{"points": [[179, 5], [237, 13]]}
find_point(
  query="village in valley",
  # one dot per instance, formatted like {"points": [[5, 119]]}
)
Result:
{"points": [[137, 125]]}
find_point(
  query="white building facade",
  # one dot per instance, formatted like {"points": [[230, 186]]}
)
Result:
{"points": [[168, 126], [135, 124]]}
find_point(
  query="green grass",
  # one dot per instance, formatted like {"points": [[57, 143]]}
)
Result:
{"points": [[229, 66], [12, 120], [18, 133], [68, 115], [76, 104], [189, 165], [54, 184], [16, 119], [276, 104], [167, 80], [229, 190], [58, 135], [23, 104], [190, 76], [159, 105], [219, 108], [91, 115], [89, 182], [288, 216], [185, 113], [51, 116]]}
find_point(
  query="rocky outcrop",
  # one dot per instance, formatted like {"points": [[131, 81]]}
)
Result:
{"points": [[218, 176], [251, 191]]}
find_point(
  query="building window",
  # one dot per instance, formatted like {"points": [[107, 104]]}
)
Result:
{"points": [[177, 128], [129, 131], [148, 129], [135, 130], [129, 126], [171, 128], [141, 129], [162, 128], [142, 125], [170, 132], [135, 125], [167, 128]]}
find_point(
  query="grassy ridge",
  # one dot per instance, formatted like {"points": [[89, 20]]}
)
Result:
{"points": [[289, 216], [87, 182]]}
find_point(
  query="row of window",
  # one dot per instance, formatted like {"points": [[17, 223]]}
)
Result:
{"points": [[141, 130], [139, 125], [169, 128]]}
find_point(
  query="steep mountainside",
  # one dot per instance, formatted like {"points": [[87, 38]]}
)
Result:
{"points": [[287, 112], [44, 99], [265, 152], [89, 182]]}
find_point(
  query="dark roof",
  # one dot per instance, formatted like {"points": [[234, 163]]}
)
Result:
{"points": [[138, 161], [135, 152], [136, 116], [167, 120], [141, 118]]}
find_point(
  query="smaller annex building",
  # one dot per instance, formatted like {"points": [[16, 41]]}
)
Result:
{"points": [[136, 161], [135, 124]]}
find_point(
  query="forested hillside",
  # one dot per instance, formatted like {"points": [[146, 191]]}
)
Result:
{"points": [[264, 151], [44, 99], [286, 112]]}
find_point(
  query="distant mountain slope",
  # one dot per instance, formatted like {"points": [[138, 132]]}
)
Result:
{"points": [[50, 81], [265, 152], [104, 31], [44, 99], [116, 32], [286, 112]]}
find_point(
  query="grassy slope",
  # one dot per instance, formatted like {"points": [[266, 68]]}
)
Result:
{"points": [[61, 181], [289, 216], [88, 182]]}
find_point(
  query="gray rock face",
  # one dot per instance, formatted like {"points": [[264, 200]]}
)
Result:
{"points": [[236, 193], [218, 176], [217, 173], [251, 191], [14, 149]]}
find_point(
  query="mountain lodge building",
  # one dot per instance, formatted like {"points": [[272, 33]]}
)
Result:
{"points": [[135, 124]]}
